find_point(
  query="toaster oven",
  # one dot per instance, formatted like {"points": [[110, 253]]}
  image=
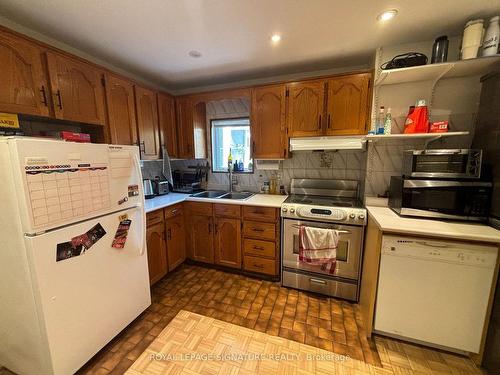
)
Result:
{"points": [[447, 163]]}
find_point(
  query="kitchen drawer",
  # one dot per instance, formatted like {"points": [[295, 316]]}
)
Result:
{"points": [[259, 248], [260, 265], [199, 208], [260, 213], [227, 210], [258, 230], [172, 211], [154, 217]]}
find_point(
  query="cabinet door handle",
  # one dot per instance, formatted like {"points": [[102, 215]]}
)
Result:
{"points": [[253, 146], [259, 265], [209, 228], [142, 146], [174, 211], [319, 121], [44, 96], [59, 99], [328, 121], [258, 229], [216, 228], [169, 233], [258, 248]]}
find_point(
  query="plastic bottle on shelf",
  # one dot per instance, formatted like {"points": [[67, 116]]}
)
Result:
{"points": [[492, 37], [417, 120], [388, 122], [380, 120]]}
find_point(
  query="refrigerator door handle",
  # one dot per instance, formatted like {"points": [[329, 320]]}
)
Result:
{"points": [[137, 165]]}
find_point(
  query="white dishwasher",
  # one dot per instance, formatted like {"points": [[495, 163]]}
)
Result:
{"points": [[435, 292]]}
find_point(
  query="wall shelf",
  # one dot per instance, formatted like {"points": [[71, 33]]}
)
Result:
{"points": [[371, 137], [435, 72]]}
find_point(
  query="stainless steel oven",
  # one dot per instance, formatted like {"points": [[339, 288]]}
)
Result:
{"points": [[344, 282]]}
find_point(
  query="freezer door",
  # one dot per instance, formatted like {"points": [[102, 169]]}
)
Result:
{"points": [[60, 183], [85, 300]]}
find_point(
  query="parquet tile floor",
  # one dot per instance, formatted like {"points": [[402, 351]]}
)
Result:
{"points": [[265, 307], [195, 344]]}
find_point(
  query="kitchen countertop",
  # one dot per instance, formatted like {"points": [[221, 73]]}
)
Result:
{"points": [[163, 201], [389, 221], [263, 200]]}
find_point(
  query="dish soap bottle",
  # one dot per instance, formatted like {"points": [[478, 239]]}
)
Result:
{"points": [[388, 122], [229, 161]]}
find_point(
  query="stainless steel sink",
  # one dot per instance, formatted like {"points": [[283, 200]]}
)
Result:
{"points": [[237, 195], [209, 194]]}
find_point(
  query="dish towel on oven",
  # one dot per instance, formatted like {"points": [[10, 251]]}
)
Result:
{"points": [[318, 246]]}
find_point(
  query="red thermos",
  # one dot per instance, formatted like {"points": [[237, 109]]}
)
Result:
{"points": [[417, 120]]}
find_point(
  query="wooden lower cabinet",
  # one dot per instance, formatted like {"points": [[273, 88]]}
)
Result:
{"points": [[240, 237], [166, 241], [228, 242], [157, 251], [176, 241], [200, 234]]}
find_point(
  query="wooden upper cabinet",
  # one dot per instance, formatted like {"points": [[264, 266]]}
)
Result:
{"points": [[147, 122], [348, 104], [228, 242], [121, 110], [23, 84], [185, 130], [167, 123], [268, 122], [77, 89], [191, 128], [305, 108]]}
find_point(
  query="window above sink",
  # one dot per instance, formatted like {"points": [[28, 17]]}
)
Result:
{"points": [[231, 135]]}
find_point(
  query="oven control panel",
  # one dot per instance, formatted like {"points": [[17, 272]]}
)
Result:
{"points": [[330, 214]]}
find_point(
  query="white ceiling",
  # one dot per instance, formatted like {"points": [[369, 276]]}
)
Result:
{"points": [[152, 38]]}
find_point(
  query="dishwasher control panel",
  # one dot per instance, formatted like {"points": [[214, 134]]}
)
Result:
{"points": [[440, 251]]}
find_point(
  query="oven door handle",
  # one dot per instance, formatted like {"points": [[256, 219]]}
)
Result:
{"points": [[339, 231]]}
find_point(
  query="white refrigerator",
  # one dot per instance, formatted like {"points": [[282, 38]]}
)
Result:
{"points": [[73, 262]]}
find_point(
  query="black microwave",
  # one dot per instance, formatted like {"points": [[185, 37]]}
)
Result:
{"points": [[440, 199]]}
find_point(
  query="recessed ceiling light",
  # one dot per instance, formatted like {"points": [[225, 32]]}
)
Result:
{"points": [[387, 15], [194, 54], [276, 38]]}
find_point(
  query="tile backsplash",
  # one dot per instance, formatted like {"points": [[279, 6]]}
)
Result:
{"points": [[373, 168]]}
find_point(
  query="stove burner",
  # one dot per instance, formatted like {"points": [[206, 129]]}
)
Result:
{"points": [[301, 200], [342, 204], [322, 201]]}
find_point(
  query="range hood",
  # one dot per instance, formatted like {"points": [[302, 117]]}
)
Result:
{"points": [[327, 143]]}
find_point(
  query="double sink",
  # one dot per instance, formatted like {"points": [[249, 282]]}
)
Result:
{"points": [[219, 194]]}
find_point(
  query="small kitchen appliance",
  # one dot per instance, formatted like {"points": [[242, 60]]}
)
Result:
{"points": [[148, 187], [442, 164], [324, 204], [467, 200]]}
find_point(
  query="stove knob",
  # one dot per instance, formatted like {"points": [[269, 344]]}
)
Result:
{"points": [[361, 217], [292, 210], [284, 209], [352, 216]]}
